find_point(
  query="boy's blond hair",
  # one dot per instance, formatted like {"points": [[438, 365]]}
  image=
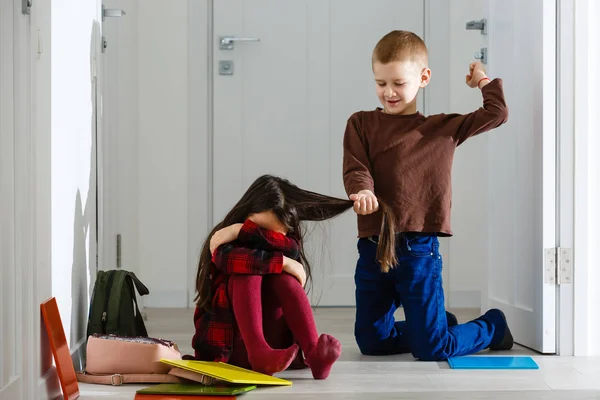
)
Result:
{"points": [[401, 46]]}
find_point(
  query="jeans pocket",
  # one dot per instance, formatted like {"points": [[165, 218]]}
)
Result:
{"points": [[418, 245], [367, 251]]}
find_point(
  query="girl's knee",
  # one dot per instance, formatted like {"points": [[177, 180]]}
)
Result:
{"points": [[240, 278], [283, 279]]}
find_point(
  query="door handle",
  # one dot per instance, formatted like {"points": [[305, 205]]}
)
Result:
{"points": [[480, 25], [482, 55], [112, 12], [226, 42]]}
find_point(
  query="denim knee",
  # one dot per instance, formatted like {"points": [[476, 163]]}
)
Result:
{"points": [[375, 343]]}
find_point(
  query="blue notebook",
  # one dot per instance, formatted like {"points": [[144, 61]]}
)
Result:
{"points": [[493, 362]]}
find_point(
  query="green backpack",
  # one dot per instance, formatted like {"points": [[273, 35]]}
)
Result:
{"points": [[114, 308]]}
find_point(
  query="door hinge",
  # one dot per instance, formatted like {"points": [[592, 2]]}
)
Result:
{"points": [[558, 266]]}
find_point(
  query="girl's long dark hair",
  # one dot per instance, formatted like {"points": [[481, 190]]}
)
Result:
{"points": [[291, 205]]}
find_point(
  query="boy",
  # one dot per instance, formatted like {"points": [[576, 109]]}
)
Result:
{"points": [[403, 158]]}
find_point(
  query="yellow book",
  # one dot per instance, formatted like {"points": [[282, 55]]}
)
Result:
{"points": [[226, 372]]}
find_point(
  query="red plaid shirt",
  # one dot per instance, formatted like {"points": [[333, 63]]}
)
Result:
{"points": [[257, 251]]}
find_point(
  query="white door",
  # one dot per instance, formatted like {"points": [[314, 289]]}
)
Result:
{"points": [[521, 43], [284, 109], [114, 92], [18, 321], [11, 375]]}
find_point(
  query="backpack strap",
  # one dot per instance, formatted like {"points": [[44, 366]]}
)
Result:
{"points": [[140, 326], [121, 379], [141, 288], [96, 316]]}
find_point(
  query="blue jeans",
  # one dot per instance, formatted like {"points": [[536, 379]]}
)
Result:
{"points": [[416, 284]]}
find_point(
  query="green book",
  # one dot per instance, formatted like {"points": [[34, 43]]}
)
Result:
{"points": [[196, 389]]}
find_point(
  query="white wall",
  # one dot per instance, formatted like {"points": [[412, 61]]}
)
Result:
{"points": [[160, 92], [72, 170]]}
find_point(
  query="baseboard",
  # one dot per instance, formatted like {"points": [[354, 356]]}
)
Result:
{"points": [[464, 299], [166, 299], [49, 385]]}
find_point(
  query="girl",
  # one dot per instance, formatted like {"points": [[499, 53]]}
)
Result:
{"points": [[251, 303]]}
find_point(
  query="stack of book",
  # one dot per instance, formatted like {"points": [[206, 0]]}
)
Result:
{"points": [[204, 380]]}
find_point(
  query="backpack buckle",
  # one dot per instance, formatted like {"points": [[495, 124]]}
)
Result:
{"points": [[112, 380]]}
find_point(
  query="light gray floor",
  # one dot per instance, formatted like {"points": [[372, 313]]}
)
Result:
{"points": [[356, 376]]}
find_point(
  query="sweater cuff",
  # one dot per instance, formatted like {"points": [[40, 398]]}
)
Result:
{"points": [[361, 186], [249, 229], [494, 83], [277, 263]]}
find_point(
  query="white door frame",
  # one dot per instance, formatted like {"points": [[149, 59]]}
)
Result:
{"points": [[577, 310], [44, 377], [200, 123], [565, 166]]}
